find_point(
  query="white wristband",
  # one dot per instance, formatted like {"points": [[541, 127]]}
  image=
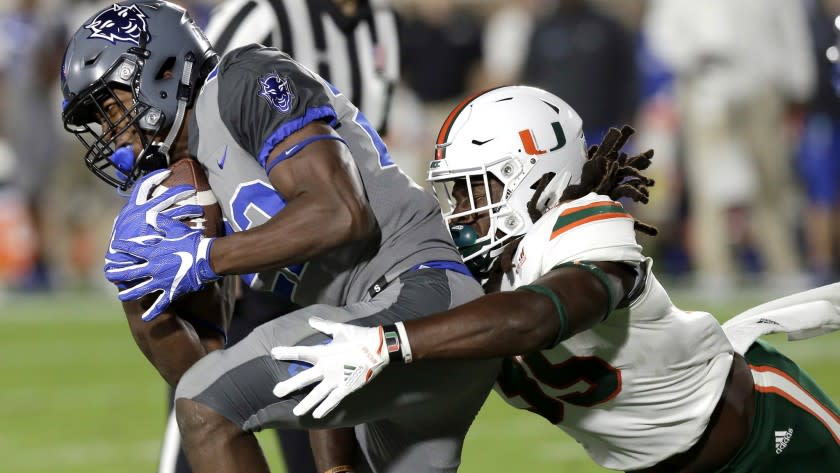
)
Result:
{"points": [[404, 345]]}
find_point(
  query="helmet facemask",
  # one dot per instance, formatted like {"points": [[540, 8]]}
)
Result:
{"points": [[85, 117], [485, 193]]}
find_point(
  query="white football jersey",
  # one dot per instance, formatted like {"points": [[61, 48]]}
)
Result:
{"points": [[638, 387]]}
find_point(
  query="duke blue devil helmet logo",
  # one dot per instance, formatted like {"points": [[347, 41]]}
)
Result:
{"points": [[277, 90], [119, 23]]}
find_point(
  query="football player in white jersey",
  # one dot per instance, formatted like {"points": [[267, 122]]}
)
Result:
{"points": [[592, 341]]}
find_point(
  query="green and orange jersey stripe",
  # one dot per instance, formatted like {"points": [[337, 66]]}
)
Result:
{"points": [[768, 379], [577, 216]]}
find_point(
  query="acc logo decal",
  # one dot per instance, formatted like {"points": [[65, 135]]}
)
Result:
{"points": [[277, 90], [119, 23]]}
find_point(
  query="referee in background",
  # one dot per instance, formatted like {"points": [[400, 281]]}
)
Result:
{"points": [[354, 45]]}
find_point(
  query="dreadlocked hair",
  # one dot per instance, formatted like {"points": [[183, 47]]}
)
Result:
{"points": [[611, 172], [607, 171]]}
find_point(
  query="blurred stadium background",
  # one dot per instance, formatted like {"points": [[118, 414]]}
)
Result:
{"points": [[735, 96]]}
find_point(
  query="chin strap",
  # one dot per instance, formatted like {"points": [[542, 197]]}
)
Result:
{"points": [[184, 93]]}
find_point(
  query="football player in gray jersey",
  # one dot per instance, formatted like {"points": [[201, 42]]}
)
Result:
{"points": [[354, 45], [313, 206]]}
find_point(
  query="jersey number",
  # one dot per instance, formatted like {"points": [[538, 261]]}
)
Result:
{"points": [[603, 379], [253, 204]]}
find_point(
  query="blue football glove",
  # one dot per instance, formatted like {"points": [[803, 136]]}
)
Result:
{"points": [[138, 218], [172, 264], [118, 259], [148, 239], [139, 215]]}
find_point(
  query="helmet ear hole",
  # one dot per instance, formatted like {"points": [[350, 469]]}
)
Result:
{"points": [[152, 162], [540, 202], [167, 66]]}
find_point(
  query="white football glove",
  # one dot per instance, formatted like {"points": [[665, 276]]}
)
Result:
{"points": [[355, 356]]}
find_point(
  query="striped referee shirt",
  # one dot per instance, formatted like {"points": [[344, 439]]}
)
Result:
{"points": [[359, 55]]}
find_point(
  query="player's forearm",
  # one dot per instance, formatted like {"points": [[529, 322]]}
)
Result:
{"points": [[189, 329], [209, 311], [169, 343], [521, 321], [501, 324], [304, 229]]}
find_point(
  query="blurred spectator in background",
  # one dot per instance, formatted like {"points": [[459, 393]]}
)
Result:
{"points": [[505, 41], [819, 148], [33, 45], [739, 65], [657, 126], [440, 55], [584, 56], [440, 48], [17, 233]]}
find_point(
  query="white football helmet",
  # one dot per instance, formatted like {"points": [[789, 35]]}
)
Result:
{"points": [[517, 134]]}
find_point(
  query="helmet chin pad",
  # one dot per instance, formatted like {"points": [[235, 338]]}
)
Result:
{"points": [[125, 162], [123, 159]]}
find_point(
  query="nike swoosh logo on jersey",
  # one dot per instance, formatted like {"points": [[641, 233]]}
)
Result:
{"points": [[479, 143], [291, 150], [223, 159], [186, 264]]}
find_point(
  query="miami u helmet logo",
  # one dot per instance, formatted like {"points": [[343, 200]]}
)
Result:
{"points": [[530, 147]]}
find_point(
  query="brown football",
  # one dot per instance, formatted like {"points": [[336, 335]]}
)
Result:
{"points": [[189, 171], [208, 304]]}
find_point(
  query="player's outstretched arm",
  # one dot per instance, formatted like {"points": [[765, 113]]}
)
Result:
{"points": [[326, 206], [566, 301]]}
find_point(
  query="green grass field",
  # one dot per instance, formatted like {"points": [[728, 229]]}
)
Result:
{"points": [[77, 396]]}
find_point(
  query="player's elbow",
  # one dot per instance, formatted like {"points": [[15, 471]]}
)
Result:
{"points": [[358, 222]]}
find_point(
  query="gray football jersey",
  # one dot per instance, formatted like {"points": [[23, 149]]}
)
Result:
{"points": [[252, 101]]}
